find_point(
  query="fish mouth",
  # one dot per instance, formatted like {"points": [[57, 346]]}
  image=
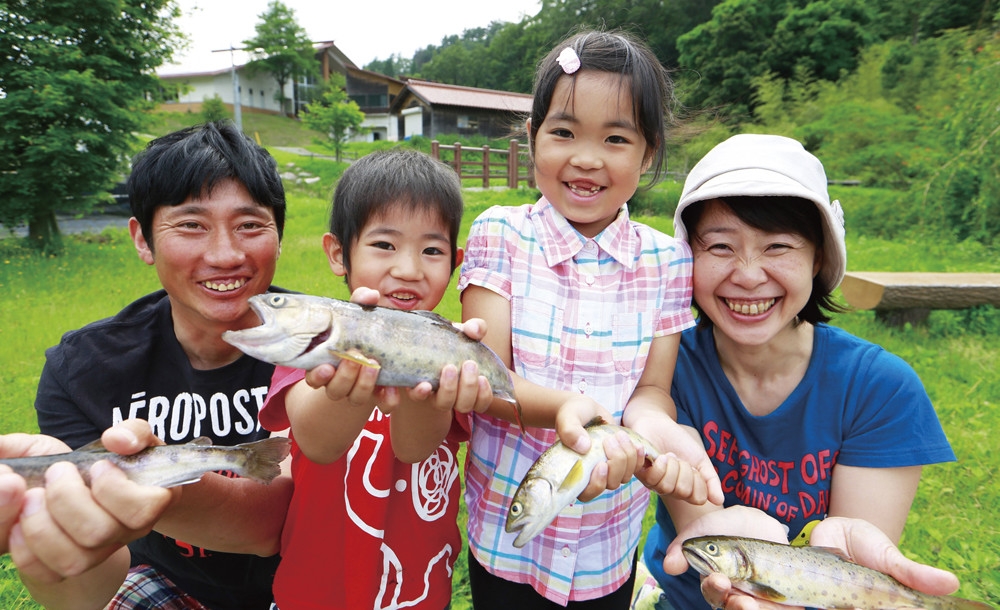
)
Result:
{"points": [[698, 561]]}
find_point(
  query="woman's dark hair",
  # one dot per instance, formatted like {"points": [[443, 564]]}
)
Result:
{"points": [[775, 215], [191, 162]]}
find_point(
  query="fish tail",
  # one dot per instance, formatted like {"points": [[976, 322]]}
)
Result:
{"points": [[518, 415], [264, 457]]}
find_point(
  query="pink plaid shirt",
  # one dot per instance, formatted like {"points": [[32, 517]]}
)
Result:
{"points": [[583, 315]]}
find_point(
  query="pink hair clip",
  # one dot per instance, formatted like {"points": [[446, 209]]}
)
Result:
{"points": [[569, 60]]}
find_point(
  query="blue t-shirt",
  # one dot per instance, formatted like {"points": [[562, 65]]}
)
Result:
{"points": [[857, 405]]}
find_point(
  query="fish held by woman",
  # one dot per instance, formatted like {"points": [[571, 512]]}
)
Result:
{"points": [[814, 577], [408, 347], [557, 477], [166, 465]]}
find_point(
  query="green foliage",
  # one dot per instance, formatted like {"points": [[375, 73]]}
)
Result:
{"points": [[281, 48], [214, 109], [954, 523], [73, 85], [334, 115]]}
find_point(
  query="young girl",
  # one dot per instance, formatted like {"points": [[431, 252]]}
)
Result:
{"points": [[586, 308]]}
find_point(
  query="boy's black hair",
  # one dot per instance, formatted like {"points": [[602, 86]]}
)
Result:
{"points": [[191, 162], [394, 177], [641, 73], [775, 215]]}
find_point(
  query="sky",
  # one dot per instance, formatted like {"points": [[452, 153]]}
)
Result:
{"points": [[362, 30]]}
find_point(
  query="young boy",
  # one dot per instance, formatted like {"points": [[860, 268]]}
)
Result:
{"points": [[376, 497]]}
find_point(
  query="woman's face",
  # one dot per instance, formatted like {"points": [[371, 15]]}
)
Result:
{"points": [[750, 283]]}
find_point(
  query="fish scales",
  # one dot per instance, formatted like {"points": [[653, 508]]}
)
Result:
{"points": [[813, 577], [166, 465], [557, 477], [409, 347]]}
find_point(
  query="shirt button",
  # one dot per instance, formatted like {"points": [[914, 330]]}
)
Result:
{"points": [[583, 386], [566, 551], [590, 280], [588, 329]]}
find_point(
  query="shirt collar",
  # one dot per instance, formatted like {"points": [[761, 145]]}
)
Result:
{"points": [[560, 241]]}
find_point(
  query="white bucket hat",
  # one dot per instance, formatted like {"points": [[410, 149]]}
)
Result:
{"points": [[756, 165]]}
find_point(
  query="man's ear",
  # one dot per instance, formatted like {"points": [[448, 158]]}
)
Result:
{"points": [[143, 248], [334, 254]]}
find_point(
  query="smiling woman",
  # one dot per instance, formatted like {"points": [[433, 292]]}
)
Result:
{"points": [[803, 421]]}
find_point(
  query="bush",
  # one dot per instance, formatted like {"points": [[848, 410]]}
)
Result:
{"points": [[213, 109]]}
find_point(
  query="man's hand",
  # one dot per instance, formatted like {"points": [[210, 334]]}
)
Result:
{"points": [[66, 528]]}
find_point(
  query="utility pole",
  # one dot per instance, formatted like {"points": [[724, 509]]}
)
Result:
{"points": [[237, 107]]}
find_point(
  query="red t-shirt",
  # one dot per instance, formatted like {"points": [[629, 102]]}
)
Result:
{"points": [[367, 531]]}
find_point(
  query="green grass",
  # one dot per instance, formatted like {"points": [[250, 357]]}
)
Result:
{"points": [[955, 521]]}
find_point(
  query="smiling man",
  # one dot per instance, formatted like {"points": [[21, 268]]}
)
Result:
{"points": [[208, 212]]}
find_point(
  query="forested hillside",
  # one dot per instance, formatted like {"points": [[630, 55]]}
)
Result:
{"points": [[898, 94]]}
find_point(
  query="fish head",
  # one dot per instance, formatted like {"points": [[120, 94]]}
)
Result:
{"points": [[721, 554], [292, 327], [531, 509]]}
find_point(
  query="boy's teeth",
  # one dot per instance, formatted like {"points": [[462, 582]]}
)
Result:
{"points": [[224, 287], [751, 308]]}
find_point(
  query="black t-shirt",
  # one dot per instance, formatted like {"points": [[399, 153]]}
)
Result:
{"points": [[131, 366]]}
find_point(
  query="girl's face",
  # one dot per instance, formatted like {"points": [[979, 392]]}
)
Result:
{"points": [[589, 153], [750, 283]]}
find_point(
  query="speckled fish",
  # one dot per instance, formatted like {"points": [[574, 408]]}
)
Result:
{"points": [[409, 347], [166, 465], [814, 577], [557, 477]]}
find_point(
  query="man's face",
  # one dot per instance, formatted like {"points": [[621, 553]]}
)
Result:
{"points": [[211, 255]]}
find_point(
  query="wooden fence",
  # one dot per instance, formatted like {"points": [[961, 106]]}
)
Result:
{"points": [[486, 164]]}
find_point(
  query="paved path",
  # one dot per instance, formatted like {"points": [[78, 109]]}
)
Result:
{"points": [[94, 223]]}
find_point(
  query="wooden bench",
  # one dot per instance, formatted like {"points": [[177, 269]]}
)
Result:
{"points": [[903, 297]]}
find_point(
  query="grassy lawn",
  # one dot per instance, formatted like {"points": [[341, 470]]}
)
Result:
{"points": [[955, 522]]}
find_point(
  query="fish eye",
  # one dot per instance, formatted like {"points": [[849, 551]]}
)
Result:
{"points": [[276, 300], [712, 548], [515, 509]]}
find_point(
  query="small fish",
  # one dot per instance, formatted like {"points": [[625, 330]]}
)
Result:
{"points": [[557, 477], [409, 347], [814, 577], [166, 465]]}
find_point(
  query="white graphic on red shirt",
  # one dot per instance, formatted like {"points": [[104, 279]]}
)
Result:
{"points": [[430, 482]]}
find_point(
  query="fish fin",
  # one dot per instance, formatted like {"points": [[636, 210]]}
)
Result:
{"points": [[763, 592], [93, 446], [356, 357], [264, 457], [574, 476], [829, 550], [597, 421], [518, 414], [201, 440]]}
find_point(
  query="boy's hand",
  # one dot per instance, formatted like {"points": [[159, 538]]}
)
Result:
{"points": [[67, 528]]}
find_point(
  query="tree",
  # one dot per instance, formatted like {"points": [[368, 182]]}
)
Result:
{"points": [[334, 115], [73, 84], [281, 48]]}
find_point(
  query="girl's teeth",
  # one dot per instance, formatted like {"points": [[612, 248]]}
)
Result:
{"points": [[751, 308], [585, 191]]}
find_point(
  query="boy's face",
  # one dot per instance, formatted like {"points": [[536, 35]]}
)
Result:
{"points": [[403, 254]]}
